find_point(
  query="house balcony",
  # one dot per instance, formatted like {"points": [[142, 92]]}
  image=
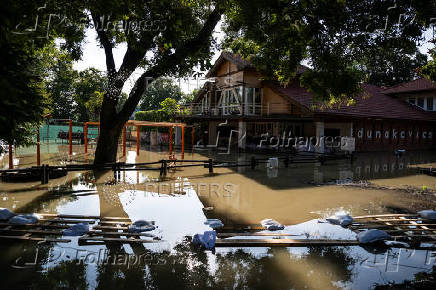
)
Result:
{"points": [[196, 110]]}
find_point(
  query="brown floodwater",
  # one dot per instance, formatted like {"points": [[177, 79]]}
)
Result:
{"points": [[296, 196]]}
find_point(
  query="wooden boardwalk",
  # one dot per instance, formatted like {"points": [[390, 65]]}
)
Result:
{"points": [[50, 229]]}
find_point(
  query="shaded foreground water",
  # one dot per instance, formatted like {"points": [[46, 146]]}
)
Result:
{"points": [[296, 196]]}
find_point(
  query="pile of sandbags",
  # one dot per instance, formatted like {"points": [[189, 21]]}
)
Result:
{"points": [[206, 240], [271, 225], [214, 223], [428, 214], [5, 214], [140, 226], [372, 236], [76, 230], [341, 218]]}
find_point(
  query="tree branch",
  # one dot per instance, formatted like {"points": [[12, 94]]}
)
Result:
{"points": [[107, 45], [190, 47]]}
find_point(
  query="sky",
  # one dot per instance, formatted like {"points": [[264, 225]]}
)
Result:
{"points": [[93, 56]]}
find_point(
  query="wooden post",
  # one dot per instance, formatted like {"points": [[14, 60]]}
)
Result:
{"points": [[183, 142], [193, 137], [124, 140], [170, 140], [85, 130], [210, 166], [286, 161], [11, 163], [38, 148], [71, 136], [137, 140]]}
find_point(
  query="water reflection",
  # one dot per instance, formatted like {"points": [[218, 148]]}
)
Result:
{"points": [[237, 196]]}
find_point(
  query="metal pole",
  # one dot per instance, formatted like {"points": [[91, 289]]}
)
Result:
{"points": [[86, 137], [11, 163], [183, 142], [193, 137], [210, 166], [124, 140], [71, 137], [137, 140], [38, 149], [171, 141]]}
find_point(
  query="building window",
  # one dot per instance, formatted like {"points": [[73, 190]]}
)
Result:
{"points": [[252, 101], [230, 101], [412, 101], [430, 106], [420, 102]]}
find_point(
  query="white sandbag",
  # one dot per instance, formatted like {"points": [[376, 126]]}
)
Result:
{"points": [[77, 230], [271, 225], [341, 219], [397, 244], [5, 214], [428, 214], [371, 236], [206, 240], [214, 223], [273, 162], [141, 226], [22, 219]]}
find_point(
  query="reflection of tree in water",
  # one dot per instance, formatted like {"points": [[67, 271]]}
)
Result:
{"points": [[423, 280], [336, 256], [66, 275], [16, 264], [187, 268]]}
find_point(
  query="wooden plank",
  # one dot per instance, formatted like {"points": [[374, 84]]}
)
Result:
{"points": [[68, 221], [96, 233], [228, 235], [400, 220], [118, 240], [427, 229], [42, 232], [382, 215], [82, 216], [114, 223], [282, 243], [34, 239], [376, 225], [37, 225], [109, 228]]}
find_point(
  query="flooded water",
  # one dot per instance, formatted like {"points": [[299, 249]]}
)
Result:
{"points": [[180, 204]]}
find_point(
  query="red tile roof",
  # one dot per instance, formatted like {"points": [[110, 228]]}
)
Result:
{"points": [[373, 103], [421, 84]]}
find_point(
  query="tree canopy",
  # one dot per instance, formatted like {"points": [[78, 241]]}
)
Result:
{"points": [[345, 42], [158, 91]]}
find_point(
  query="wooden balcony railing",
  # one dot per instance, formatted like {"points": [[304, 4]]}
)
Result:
{"points": [[196, 109]]}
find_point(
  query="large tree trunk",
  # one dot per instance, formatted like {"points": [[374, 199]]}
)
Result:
{"points": [[111, 126], [107, 145]]}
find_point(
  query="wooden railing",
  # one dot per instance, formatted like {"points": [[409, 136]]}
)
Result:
{"points": [[196, 109]]}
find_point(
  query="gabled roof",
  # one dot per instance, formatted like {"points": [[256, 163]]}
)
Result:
{"points": [[204, 89], [421, 84], [241, 63], [373, 103]]}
